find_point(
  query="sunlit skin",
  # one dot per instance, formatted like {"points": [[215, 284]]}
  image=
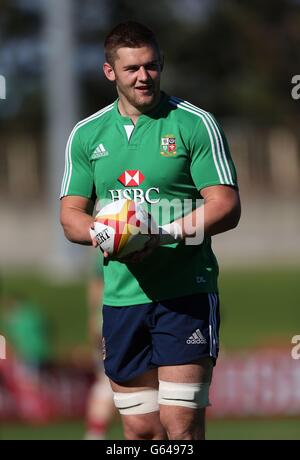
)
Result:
{"points": [[136, 72]]}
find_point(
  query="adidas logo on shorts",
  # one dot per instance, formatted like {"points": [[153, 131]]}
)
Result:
{"points": [[196, 338]]}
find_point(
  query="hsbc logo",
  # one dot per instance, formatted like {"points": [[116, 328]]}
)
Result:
{"points": [[151, 195], [131, 178]]}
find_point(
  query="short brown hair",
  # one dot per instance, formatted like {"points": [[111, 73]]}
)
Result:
{"points": [[128, 34]]}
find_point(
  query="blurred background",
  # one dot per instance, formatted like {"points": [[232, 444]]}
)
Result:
{"points": [[236, 59]]}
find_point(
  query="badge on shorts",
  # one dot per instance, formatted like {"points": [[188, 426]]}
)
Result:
{"points": [[168, 145]]}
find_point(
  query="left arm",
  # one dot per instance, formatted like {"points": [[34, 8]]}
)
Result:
{"points": [[221, 212]]}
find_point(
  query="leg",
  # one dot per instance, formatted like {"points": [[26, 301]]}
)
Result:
{"points": [[179, 420], [140, 426]]}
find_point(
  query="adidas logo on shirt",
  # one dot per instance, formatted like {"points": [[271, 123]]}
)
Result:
{"points": [[196, 338], [99, 152]]}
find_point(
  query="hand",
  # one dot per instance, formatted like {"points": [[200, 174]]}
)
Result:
{"points": [[170, 233], [134, 257], [139, 256], [95, 242]]}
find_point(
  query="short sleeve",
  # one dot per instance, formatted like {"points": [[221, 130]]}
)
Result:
{"points": [[211, 162], [78, 175]]}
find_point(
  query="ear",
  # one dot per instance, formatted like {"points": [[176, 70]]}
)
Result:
{"points": [[109, 71]]}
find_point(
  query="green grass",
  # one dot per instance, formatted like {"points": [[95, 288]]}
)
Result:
{"points": [[253, 429], [58, 431], [64, 305], [259, 307], [69, 430], [216, 429]]}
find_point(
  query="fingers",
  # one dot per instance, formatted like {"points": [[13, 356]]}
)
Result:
{"points": [[95, 242], [139, 256], [93, 235], [127, 259], [153, 242], [134, 257]]}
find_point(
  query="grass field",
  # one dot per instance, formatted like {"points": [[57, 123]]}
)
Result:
{"points": [[259, 307], [216, 429]]}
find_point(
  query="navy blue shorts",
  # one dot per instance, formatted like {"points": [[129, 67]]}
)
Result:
{"points": [[138, 338]]}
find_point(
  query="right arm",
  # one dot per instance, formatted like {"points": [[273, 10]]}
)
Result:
{"points": [[76, 205], [76, 218]]}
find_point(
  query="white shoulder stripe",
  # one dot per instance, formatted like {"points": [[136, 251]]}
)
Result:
{"points": [[210, 137], [218, 150], [68, 153], [68, 159], [219, 140]]}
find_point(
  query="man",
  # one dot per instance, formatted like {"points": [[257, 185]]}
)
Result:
{"points": [[161, 308]]}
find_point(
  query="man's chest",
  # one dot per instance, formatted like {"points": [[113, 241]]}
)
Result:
{"points": [[145, 162]]}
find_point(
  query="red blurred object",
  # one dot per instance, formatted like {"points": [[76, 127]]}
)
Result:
{"points": [[41, 396]]}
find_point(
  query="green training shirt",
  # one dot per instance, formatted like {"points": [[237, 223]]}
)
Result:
{"points": [[170, 154]]}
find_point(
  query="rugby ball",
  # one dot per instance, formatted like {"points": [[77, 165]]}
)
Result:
{"points": [[122, 227]]}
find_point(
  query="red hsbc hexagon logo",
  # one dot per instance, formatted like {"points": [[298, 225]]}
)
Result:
{"points": [[131, 178]]}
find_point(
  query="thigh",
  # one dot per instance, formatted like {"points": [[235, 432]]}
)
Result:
{"points": [[186, 330], [141, 426], [127, 344], [183, 422], [146, 381], [200, 371]]}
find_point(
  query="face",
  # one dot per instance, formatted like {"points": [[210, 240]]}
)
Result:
{"points": [[136, 72]]}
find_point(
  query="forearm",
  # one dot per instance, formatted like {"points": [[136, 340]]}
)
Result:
{"points": [[210, 219], [217, 215], [76, 224]]}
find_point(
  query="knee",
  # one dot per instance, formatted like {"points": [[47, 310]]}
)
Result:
{"points": [[183, 423], [182, 409], [141, 428], [140, 414]]}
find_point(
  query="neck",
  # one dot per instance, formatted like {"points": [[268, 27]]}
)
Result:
{"points": [[128, 110]]}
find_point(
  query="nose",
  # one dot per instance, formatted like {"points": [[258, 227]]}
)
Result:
{"points": [[143, 74]]}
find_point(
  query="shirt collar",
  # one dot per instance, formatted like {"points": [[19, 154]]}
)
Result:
{"points": [[144, 116]]}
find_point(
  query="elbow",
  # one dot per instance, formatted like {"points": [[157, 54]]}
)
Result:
{"points": [[235, 216], [66, 229], [68, 235], [230, 212], [234, 222]]}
